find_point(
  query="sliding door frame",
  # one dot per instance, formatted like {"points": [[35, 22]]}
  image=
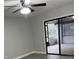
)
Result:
{"points": [[58, 35]]}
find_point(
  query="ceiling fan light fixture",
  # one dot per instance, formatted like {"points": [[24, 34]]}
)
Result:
{"points": [[25, 11], [27, 2]]}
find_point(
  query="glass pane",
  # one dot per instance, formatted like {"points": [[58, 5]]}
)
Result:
{"points": [[67, 36], [53, 37], [68, 29]]}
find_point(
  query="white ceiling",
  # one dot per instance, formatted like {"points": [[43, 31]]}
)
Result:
{"points": [[51, 5]]}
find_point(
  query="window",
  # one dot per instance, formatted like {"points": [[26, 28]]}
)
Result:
{"points": [[68, 29]]}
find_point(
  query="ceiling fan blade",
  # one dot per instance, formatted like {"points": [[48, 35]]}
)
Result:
{"points": [[16, 10], [32, 10], [40, 4]]}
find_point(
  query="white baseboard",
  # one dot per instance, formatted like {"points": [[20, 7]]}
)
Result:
{"points": [[39, 52], [27, 54]]}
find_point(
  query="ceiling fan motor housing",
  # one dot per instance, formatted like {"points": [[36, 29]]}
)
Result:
{"points": [[22, 2]]}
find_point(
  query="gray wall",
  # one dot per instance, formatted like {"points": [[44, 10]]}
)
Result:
{"points": [[18, 37]]}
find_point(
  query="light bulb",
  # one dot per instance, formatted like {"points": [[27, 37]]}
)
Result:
{"points": [[27, 2], [25, 11]]}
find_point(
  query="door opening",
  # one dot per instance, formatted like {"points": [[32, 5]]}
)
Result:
{"points": [[59, 36]]}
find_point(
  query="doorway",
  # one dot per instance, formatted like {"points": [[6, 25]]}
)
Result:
{"points": [[59, 36]]}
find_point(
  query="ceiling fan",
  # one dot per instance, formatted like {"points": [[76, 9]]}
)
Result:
{"points": [[26, 6]]}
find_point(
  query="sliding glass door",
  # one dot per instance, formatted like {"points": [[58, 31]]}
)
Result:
{"points": [[67, 36], [52, 39], [59, 35]]}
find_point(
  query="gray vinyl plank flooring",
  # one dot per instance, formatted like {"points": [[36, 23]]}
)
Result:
{"points": [[43, 56], [65, 49]]}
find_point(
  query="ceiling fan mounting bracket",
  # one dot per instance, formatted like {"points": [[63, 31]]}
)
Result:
{"points": [[22, 2]]}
